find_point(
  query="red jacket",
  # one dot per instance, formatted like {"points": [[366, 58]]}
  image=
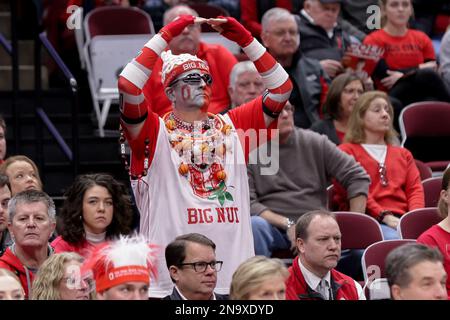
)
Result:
{"points": [[10, 262], [84, 248], [297, 289]]}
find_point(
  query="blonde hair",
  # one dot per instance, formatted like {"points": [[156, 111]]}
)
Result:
{"points": [[9, 274], [356, 132], [252, 273], [442, 205], [50, 274]]}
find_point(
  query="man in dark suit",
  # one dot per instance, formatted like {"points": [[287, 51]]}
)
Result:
{"points": [[192, 264]]}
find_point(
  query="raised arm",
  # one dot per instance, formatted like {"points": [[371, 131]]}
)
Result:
{"points": [[134, 108], [275, 78]]}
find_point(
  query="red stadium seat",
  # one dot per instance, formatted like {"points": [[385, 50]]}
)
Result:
{"points": [[413, 223]]}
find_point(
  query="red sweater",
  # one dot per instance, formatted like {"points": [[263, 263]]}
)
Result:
{"points": [[84, 249], [10, 262], [220, 61], [297, 288], [439, 238], [404, 191], [403, 52]]}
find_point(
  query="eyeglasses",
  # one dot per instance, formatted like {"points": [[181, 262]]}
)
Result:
{"points": [[281, 32], [382, 172], [195, 79], [201, 266]]}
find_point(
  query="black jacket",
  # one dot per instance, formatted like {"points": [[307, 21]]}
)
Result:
{"points": [[176, 296]]}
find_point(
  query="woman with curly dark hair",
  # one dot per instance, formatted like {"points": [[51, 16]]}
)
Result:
{"points": [[97, 208]]}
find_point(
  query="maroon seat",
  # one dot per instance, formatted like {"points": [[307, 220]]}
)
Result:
{"points": [[373, 260], [424, 170], [425, 132], [115, 20], [413, 223], [206, 10], [432, 190], [358, 230]]}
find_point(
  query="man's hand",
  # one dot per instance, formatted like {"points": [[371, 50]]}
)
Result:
{"points": [[177, 26], [331, 67], [391, 79], [231, 29], [291, 236]]}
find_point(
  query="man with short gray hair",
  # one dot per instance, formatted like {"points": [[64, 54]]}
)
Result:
{"points": [[246, 83], [31, 222], [416, 272]]}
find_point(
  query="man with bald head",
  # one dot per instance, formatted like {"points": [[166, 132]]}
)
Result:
{"points": [[219, 59]]}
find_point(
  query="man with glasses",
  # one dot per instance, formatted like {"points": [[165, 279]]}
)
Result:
{"points": [[5, 195], [188, 168], [281, 38], [191, 260]]}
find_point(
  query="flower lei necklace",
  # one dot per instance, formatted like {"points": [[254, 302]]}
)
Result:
{"points": [[201, 144]]}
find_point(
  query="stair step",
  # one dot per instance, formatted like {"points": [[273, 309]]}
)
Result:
{"points": [[26, 77], [26, 53], [5, 20]]}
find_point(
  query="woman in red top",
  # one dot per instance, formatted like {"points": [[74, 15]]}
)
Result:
{"points": [[439, 234], [395, 180], [96, 208], [408, 67]]}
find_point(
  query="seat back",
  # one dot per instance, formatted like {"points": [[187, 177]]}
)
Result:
{"points": [[373, 259], [413, 223], [109, 55], [206, 10], [358, 230], [114, 20], [425, 130], [424, 170], [432, 191]]}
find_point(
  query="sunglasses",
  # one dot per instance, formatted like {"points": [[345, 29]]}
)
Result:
{"points": [[195, 79]]}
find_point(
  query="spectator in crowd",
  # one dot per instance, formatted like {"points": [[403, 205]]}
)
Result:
{"points": [[206, 174], [439, 234], [306, 162], [252, 12], [281, 38], [312, 274], [342, 96], [219, 59], [259, 278], [395, 186], [122, 268], [192, 264], [23, 174], [5, 196], [407, 69], [2, 139], [322, 37], [246, 83], [96, 208], [59, 278], [10, 286], [31, 222], [415, 272], [444, 57]]}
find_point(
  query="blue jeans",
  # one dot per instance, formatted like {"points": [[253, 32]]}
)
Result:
{"points": [[389, 233], [268, 238]]}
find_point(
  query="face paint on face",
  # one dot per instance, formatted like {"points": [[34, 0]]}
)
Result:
{"points": [[186, 92], [206, 99]]}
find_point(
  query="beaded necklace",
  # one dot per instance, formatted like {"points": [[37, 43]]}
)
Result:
{"points": [[199, 145]]}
